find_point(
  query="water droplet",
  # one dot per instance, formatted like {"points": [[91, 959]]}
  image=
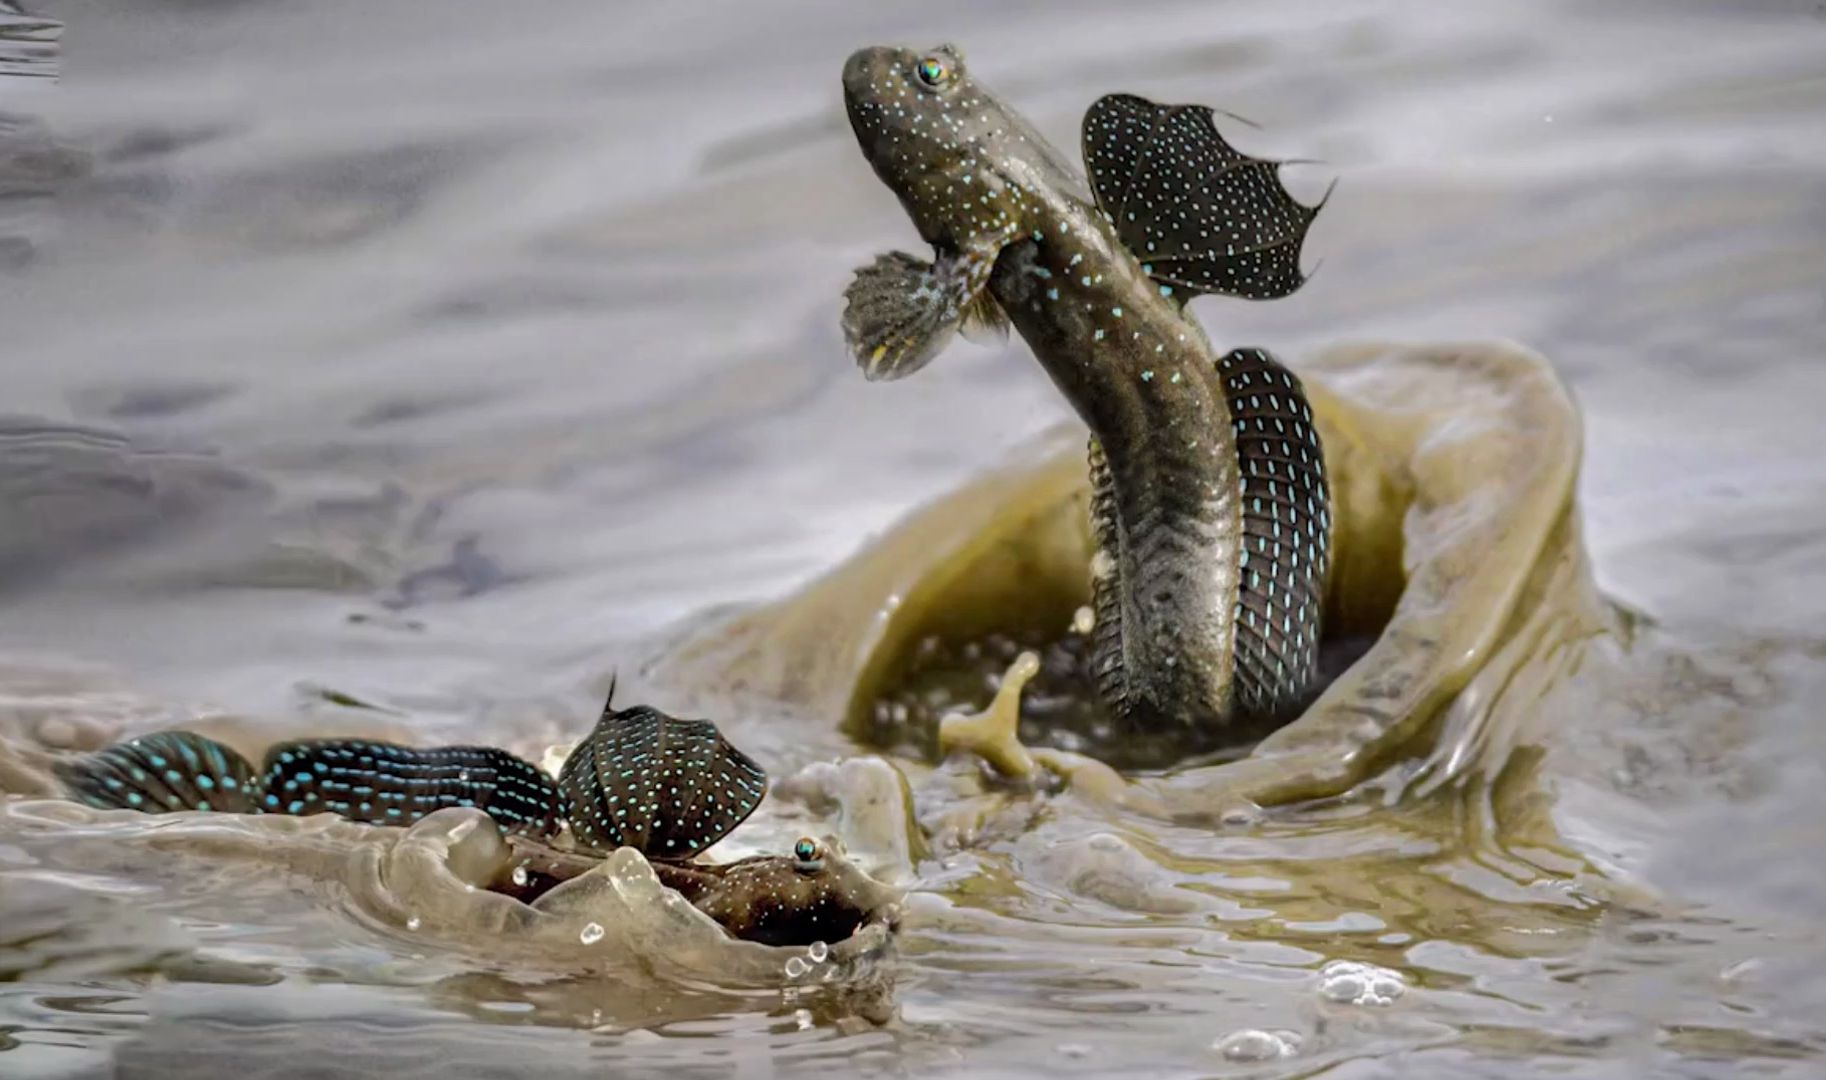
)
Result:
{"points": [[592, 933], [412, 923], [1250, 1044], [796, 967], [520, 875], [1351, 983], [818, 952]]}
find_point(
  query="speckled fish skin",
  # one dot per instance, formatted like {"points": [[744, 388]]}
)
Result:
{"points": [[358, 779], [777, 900], [1210, 505], [667, 787], [812, 895]]}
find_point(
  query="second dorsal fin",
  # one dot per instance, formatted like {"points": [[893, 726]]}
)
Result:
{"points": [[1286, 543], [1202, 216]]}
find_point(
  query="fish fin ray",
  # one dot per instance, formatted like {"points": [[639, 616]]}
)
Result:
{"points": [[1108, 663], [666, 786], [1177, 193], [901, 312], [984, 322], [1285, 552]]}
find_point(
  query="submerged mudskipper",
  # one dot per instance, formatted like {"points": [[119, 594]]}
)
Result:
{"points": [[1209, 503], [667, 787]]}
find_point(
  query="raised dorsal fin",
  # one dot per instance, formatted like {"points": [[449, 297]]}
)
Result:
{"points": [[1202, 216], [1286, 551], [669, 787]]}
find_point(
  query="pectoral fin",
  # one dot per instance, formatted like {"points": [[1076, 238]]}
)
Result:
{"points": [[902, 312]]}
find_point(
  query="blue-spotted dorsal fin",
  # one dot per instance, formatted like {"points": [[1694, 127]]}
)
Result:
{"points": [[164, 772], [667, 787], [1202, 216], [1286, 550], [386, 784], [900, 312]]}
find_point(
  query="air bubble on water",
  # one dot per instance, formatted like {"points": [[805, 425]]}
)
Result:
{"points": [[818, 952], [1352, 983], [1251, 1044], [796, 967], [412, 923], [592, 933], [520, 875], [803, 1017]]}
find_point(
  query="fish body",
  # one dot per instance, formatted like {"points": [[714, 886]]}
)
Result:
{"points": [[1209, 499], [665, 786], [662, 785]]}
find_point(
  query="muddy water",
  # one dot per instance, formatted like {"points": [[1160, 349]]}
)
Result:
{"points": [[409, 372]]}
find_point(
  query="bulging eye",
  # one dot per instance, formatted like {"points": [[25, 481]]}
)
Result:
{"points": [[934, 70], [806, 850]]}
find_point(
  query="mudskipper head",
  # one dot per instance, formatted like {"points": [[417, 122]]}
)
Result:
{"points": [[937, 139], [966, 169]]}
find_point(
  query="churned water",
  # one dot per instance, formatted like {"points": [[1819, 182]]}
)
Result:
{"points": [[408, 369]]}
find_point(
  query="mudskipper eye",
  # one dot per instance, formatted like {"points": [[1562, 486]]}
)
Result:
{"points": [[806, 850], [934, 71]]}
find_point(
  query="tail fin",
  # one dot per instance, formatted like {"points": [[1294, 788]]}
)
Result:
{"points": [[163, 772], [388, 784]]}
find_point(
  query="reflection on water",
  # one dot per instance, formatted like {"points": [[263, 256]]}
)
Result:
{"points": [[408, 371]]}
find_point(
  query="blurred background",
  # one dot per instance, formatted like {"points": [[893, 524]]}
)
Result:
{"points": [[437, 351]]}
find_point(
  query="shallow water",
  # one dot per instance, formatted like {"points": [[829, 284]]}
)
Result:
{"points": [[448, 363]]}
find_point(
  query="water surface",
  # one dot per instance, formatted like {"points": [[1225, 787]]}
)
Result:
{"points": [[449, 359]]}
